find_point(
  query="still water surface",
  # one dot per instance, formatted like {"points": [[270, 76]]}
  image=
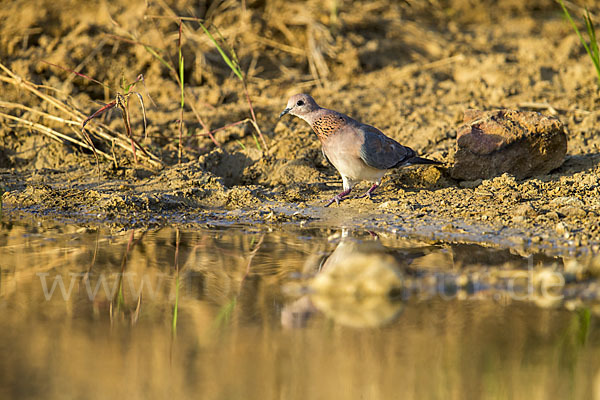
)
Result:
{"points": [[239, 313]]}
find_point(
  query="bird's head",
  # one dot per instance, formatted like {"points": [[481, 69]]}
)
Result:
{"points": [[300, 105]]}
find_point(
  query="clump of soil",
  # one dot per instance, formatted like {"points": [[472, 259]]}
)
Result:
{"points": [[523, 144], [410, 69]]}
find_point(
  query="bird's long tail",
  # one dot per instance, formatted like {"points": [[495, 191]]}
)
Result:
{"points": [[421, 160]]}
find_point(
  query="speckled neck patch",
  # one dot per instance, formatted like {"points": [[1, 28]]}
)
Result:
{"points": [[327, 125]]}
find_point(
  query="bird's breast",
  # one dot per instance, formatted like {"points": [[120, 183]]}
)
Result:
{"points": [[327, 125], [342, 150]]}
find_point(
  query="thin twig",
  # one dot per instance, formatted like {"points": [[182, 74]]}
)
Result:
{"points": [[182, 87], [538, 106], [6, 104], [255, 123], [280, 46], [201, 121], [227, 126]]}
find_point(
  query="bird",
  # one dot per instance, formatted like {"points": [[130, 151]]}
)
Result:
{"points": [[359, 152]]}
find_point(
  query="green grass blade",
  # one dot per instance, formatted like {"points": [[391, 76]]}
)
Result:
{"points": [[176, 306], [584, 325], [127, 88], [234, 67], [593, 42], [132, 39], [589, 25], [224, 314], [591, 32], [181, 85], [121, 298], [158, 57], [231, 50], [581, 39], [181, 79], [256, 141]]}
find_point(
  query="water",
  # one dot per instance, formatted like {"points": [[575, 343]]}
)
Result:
{"points": [[305, 314]]}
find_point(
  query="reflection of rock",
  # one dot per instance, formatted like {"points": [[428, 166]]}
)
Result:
{"points": [[355, 284], [520, 143]]}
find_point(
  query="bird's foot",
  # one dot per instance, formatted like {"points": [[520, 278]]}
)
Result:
{"points": [[337, 198], [368, 192], [362, 196]]}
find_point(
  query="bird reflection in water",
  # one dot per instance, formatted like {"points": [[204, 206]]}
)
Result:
{"points": [[359, 285]]}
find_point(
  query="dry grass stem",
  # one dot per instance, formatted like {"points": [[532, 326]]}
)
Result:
{"points": [[59, 137], [101, 131]]}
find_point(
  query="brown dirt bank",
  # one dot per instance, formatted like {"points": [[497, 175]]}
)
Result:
{"points": [[410, 69]]}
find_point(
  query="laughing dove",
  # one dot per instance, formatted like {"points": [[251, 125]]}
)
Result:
{"points": [[359, 152]]}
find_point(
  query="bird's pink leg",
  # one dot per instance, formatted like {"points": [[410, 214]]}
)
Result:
{"points": [[338, 197], [368, 193]]}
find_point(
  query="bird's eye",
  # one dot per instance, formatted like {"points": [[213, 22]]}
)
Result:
{"points": [[300, 103]]}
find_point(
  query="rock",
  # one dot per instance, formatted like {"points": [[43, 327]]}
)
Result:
{"points": [[525, 210], [520, 143], [567, 201], [572, 211]]}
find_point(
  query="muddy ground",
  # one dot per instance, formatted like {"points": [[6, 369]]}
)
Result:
{"points": [[409, 68]]}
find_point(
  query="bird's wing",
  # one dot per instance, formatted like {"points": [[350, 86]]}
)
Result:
{"points": [[380, 151]]}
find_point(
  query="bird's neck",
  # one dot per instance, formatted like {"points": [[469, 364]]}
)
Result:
{"points": [[326, 123]]}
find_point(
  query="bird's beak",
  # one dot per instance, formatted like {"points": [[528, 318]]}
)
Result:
{"points": [[287, 110]]}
